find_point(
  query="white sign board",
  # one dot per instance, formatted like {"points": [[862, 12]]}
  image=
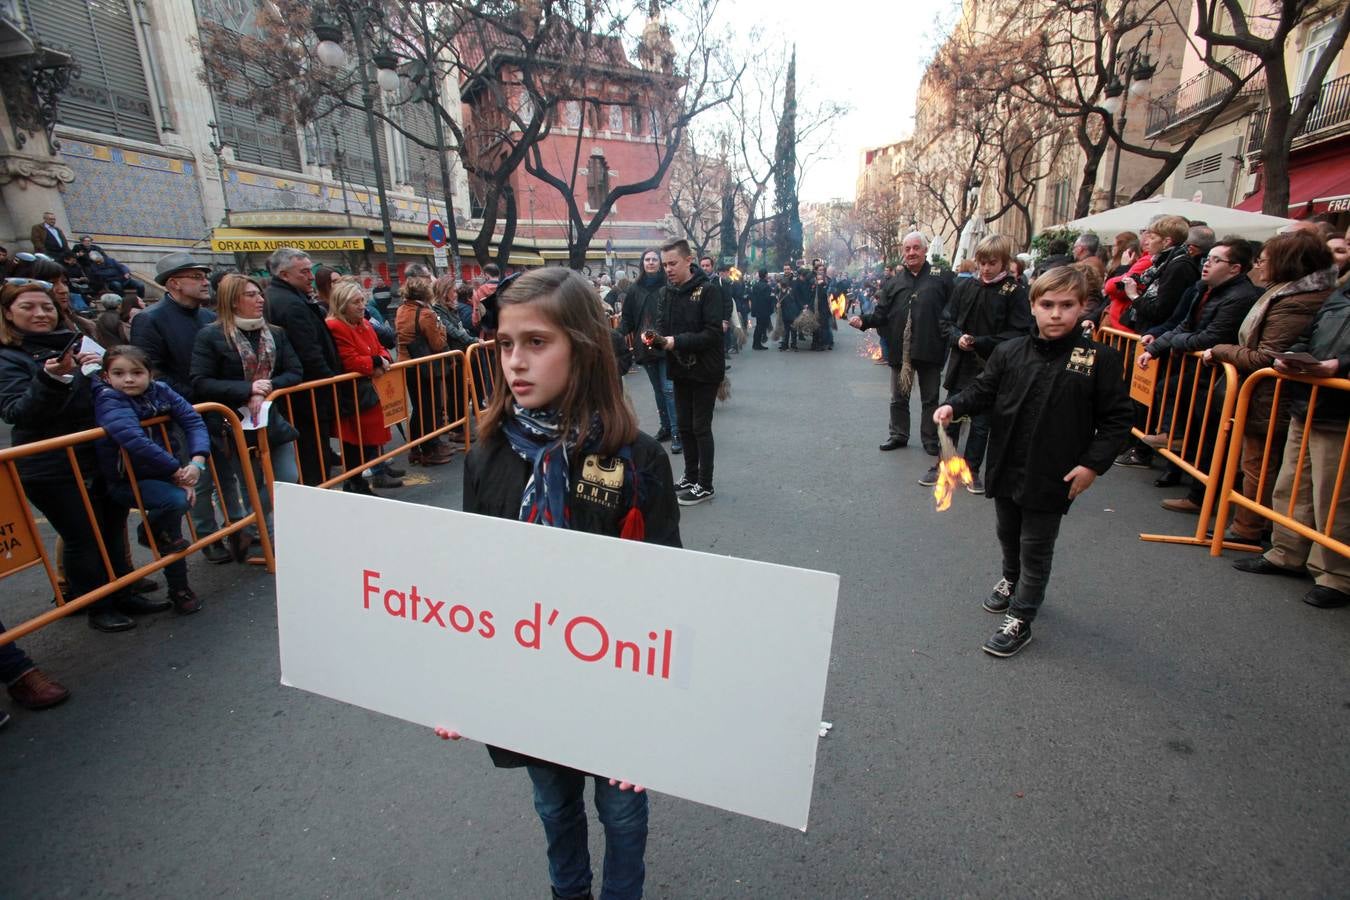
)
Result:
{"points": [[696, 675], [441, 257]]}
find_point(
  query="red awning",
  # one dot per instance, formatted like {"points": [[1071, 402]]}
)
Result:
{"points": [[1313, 188]]}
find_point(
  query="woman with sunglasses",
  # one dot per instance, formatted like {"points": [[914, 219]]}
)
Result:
{"points": [[44, 394]]}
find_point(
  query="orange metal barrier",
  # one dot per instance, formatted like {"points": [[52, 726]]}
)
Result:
{"points": [[20, 524], [1231, 494], [482, 363], [1197, 402], [439, 379]]}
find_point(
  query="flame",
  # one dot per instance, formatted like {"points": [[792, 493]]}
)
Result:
{"points": [[838, 304], [870, 348], [735, 274], [952, 473]]}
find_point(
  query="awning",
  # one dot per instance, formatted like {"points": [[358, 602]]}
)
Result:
{"points": [[257, 240], [524, 259], [1319, 186]]}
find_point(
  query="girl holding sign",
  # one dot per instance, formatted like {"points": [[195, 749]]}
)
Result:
{"points": [[560, 447]]}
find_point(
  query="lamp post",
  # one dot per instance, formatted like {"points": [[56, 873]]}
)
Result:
{"points": [[427, 78], [328, 29], [1139, 71], [217, 147]]}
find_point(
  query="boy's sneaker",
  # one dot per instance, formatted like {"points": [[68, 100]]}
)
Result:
{"points": [[1000, 597], [662, 435], [1011, 637], [676, 449], [976, 485], [930, 478], [684, 484], [695, 495], [1134, 458]]}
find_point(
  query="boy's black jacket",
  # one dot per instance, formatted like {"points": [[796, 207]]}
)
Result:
{"points": [[1085, 421], [990, 313], [696, 326], [494, 479]]}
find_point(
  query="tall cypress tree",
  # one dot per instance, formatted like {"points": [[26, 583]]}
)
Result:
{"points": [[788, 221]]}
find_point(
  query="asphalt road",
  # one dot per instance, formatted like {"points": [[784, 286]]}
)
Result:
{"points": [[1176, 728]]}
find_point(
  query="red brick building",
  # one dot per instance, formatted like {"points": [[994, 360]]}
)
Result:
{"points": [[612, 138]]}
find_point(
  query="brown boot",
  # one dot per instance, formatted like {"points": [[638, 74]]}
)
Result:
{"points": [[34, 690], [437, 455]]}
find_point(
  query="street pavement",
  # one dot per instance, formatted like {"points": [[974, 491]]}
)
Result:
{"points": [[1175, 729]]}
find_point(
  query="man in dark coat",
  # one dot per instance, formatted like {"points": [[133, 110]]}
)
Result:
{"points": [[47, 238], [167, 332], [789, 308], [1214, 318], [912, 301], [291, 308], [761, 307], [691, 331]]}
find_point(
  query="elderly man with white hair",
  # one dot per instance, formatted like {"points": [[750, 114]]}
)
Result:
{"points": [[909, 315], [292, 306]]}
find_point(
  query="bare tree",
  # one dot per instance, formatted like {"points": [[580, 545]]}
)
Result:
{"points": [[696, 188], [1226, 23], [881, 215]]}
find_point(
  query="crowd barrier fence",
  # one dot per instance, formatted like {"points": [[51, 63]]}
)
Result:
{"points": [[23, 546], [431, 383], [1275, 453], [1193, 404], [482, 362]]}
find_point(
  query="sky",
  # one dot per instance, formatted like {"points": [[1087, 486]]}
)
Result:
{"points": [[867, 53]]}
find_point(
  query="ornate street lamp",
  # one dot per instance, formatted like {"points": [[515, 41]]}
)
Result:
{"points": [[1138, 69]]}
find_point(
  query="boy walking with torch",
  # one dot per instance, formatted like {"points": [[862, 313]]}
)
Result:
{"points": [[1059, 412]]}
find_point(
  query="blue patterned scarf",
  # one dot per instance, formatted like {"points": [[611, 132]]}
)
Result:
{"points": [[537, 438]]}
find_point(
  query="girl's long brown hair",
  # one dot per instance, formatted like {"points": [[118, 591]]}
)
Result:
{"points": [[569, 302]]}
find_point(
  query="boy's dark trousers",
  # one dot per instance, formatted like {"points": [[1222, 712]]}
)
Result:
{"points": [[1027, 537], [694, 403]]}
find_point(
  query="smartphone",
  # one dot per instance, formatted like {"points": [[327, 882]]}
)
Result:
{"points": [[72, 345]]}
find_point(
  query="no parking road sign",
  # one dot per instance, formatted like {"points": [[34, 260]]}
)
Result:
{"points": [[436, 233]]}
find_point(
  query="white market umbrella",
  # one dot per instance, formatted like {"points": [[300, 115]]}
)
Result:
{"points": [[1224, 221]]}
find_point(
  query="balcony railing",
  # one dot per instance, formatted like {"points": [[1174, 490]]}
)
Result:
{"points": [[1332, 109], [1202, 93]]}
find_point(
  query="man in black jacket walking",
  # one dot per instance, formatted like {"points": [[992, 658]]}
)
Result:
{"points": [[761, 307], [691, 331], [1059, 412], [291, 308], [912, 303]]}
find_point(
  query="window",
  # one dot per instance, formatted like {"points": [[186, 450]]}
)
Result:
{"points": [[616, 119], [572, 114], [597, 179], [1060, 202], [639, 120], [358, 167], [110, 95], [1318, 38], [421, 165], [257, 137]]}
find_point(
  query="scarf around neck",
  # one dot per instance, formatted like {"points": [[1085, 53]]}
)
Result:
{"points": [[258, 362], [536, 437]]}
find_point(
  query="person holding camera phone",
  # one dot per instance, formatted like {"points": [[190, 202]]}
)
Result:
{"points": [[44, 394]]}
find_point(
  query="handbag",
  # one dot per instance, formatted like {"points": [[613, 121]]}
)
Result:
{"points": [[366, 397], [279, 431]]}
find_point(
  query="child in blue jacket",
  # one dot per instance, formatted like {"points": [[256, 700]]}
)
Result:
{"points": [[123, 397]]}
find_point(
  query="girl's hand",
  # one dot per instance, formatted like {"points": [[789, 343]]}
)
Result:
{"points": [[669, 342], [943, 415], [1208, 357], [186, 476], [1080, 478], [191, 495], [856, 322], [627, 786], [88, 359], [262, 387], [967, 342], [446, 734], [255, 406]]}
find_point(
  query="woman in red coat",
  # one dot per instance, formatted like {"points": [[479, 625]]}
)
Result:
{"points": [[359, 350]]}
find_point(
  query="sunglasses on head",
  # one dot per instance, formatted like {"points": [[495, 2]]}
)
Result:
{"points": [[45, 285]]}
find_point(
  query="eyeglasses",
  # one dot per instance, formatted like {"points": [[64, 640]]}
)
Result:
{"points": [[45, 285], [1217, 259], [190, 275]]}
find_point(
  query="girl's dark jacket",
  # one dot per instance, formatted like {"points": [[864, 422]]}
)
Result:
{"points": [[1173, 271], [692, 314], [640, 308], [494, 480], [41, 407], [121, 416], [218, 376], [1084, 421]]}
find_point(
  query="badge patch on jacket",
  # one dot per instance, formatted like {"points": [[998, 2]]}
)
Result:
{"points": [[601, 481], [1081, 360]]}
